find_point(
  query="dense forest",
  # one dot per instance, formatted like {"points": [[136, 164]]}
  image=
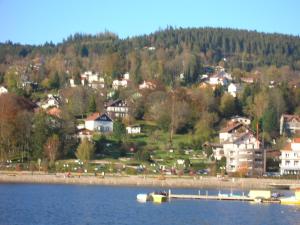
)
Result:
{"points": [[160, 55]]}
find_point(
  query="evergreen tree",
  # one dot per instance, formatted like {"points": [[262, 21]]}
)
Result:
{"points": [[119, 130], [92, 105], [269, 122]]}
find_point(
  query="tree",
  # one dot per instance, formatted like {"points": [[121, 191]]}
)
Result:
{"points": [[260, 104], [15, 125], [270, 122], [84, 51], [243, 169], [85, 150], [119, 130], [55, 81], [204, 129], [92, 105], [142, 155], [41, 131], [12, 80], [51, 148], [67, 132], [228, 106]]}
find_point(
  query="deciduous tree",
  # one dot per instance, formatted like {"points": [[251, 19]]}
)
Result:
{"points": [[51, 148], [85, 150]]}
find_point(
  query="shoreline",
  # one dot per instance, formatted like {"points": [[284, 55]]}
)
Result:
{"points": [[146, 181]]}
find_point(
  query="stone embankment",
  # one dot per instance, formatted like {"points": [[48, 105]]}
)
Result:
{"points": [[146, 181]]}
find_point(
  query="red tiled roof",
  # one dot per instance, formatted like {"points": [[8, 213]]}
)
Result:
{"points": [[54, 112], [231, 126], [288, 117], [93, 116], [288, 147], [296, 140]]}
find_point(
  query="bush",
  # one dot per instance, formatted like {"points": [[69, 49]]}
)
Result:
{"points": [[130, 171], [19, 167], [143, 155]]}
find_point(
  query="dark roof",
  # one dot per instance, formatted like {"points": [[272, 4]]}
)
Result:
{"points": [[214, 145], [105, 117], [231, 126], [98, 117], [289, 118], [114, 103]]}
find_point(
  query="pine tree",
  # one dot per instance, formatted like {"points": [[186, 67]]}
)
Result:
{"points": [[92, 105]]}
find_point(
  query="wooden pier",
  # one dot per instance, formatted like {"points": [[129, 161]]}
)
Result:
{"points": [[210, 197], [222, 197]]}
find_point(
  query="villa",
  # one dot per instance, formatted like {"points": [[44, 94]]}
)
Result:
{"points": [[290, 158]]}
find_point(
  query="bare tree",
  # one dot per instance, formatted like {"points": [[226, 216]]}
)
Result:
{"points": [[51, 148]]}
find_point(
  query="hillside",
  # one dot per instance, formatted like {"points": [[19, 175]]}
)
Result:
{"points": [[160, 55]]}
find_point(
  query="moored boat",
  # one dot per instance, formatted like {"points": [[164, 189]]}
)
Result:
{"points": [[293, 200], [142, 197], [290, 201], [159, 198]]}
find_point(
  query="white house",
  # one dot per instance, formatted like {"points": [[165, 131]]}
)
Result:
{"points": [[123, 83], [218, 151], [220, 78], [241, 119], [290, 158], [231, 128], [99, 122], [84, 133], [3, 90], [72, 83], [243, 152], [120, 83], [133, 129], [51, 101], [248, 80], [126, 76], [234, 89], [241, 149], [93, 80], [216, 80], [289, 124], [117, 108]]}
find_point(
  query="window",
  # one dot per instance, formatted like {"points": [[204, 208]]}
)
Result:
{"points": [[287, 155], [287, 162], [296, 163]]}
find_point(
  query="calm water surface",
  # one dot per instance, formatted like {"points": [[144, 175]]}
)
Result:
{"points": [[26, 204]]}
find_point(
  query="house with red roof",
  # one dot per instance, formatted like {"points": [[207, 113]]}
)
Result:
{"points": [[241, 148], [244, 151], [99, 122]]}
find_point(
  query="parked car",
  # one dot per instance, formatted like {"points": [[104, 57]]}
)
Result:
{"points": [[202, 172]]}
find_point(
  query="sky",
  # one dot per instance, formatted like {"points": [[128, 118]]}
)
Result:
{"points": [[40, 21]]}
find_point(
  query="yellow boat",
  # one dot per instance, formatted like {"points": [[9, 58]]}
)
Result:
{"points": [[158, 198], [293, 200], [290, 201]]}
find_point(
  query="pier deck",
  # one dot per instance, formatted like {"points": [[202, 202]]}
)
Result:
{"points": [[221, 197], [210, 197]]}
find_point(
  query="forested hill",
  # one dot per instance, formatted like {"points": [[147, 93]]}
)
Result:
{"points": [[165, 52]]}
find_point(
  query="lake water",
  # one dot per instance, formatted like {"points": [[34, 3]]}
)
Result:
{"points": [[26, 204]]}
